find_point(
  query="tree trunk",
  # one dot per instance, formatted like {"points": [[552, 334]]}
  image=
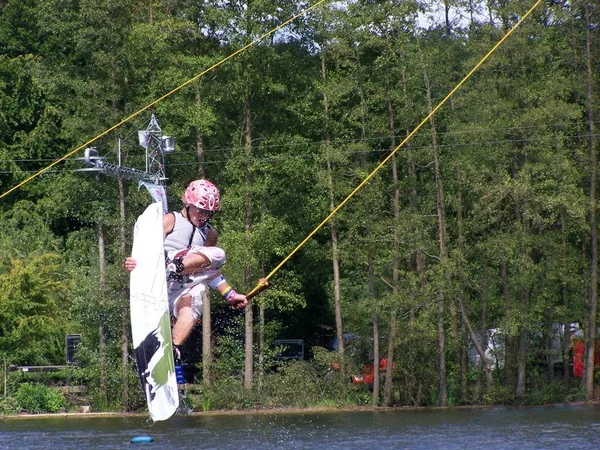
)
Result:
{"points": [[508, 346], [593, 304], [375, 394], [376, 358], [461, 339], [480, 349], [339, 327], [471, 13], [207, 348], [490, 10], [200, 141], [549, 333], [249, 333], [207, 353], [483, 342], [447, 17], [565, 300], [418, 262], [125, 317], [522, 353], [261, 343], [375, 320], [387, 392], [101, 330], [371, 270], [441, 216], [248, 312]]}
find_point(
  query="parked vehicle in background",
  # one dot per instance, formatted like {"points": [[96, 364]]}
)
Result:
{"points": [[289, 349]]}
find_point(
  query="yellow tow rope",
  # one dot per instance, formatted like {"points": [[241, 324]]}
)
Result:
{"points": [[264, 283], [178, 88]]}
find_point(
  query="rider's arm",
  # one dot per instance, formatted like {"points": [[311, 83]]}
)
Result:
{"points": [[211, 237], [220, 284], [168, 224]]}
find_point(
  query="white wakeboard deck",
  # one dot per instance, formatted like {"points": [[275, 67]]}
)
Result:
{"points": [[150, 319]]}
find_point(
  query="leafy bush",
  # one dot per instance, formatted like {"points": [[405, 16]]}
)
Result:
{"points": [[226, 393], [63, 377], [8, 405], [105, 392], [554, 392], [37, 398], [335, 385], [499, 395], [296, 384]]}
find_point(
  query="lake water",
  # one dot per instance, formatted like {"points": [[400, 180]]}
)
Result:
{"points": [[546, 427]]}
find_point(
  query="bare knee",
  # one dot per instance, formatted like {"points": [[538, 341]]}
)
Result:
{"points": [[195, 263], [184, 305]]}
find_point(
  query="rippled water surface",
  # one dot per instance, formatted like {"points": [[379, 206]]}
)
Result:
{"points": [[548, 427]]}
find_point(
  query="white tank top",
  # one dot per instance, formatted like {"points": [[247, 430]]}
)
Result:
{"points": [[183, 230]]}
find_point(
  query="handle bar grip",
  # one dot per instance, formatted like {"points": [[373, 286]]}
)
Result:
{"points": [[258, 289]]}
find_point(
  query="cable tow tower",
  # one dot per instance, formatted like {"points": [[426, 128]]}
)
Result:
{"points": [[156, 145]]}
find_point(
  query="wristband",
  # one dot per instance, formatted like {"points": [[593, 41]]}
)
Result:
{"points": [[229, 295], [216, 281]]}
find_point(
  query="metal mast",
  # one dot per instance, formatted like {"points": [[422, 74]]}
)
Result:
{"points": [[156, 146]]}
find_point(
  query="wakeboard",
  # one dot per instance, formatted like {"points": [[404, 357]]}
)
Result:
{"points": [[150, 319]]}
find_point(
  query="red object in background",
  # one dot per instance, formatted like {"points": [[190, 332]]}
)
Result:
{"points": [[578, 351], [578, 356], [368, 372]]}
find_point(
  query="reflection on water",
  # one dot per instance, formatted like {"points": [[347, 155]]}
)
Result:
{"points": [[548, 427]]}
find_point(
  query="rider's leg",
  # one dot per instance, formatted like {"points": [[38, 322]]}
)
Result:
{"points": [[194, 261], [185, 320], [203, 258]]}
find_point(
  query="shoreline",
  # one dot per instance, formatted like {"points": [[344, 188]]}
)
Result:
{"points": [[282, 410]]}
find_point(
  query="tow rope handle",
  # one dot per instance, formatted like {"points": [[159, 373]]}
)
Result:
{"points": [[263, 285]]}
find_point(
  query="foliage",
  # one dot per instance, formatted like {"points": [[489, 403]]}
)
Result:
{"points": [[34, 293], [106, 392], [548, 393], [63, 377], [226, 393], [37, 398], [297, 384], [229, 350], [490, 202], [9, 405]]}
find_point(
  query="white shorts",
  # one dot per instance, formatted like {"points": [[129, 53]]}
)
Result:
{"points": [[195, 284], [177, 290]]}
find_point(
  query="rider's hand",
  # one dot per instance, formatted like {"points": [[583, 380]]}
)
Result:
{"points": [[238, 301], [130, 263]]}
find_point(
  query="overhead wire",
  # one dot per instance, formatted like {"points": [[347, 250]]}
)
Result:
{"points": [[192, 150], [264, 283], [276, 157], [158, 100]]}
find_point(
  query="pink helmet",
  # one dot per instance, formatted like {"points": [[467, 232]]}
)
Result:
{"points": [[202, 194]]}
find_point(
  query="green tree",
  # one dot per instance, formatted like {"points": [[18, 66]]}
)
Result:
{"points": [[35, 296]]}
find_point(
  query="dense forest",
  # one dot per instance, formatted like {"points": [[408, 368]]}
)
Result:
{"points": [[468, 260]]}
